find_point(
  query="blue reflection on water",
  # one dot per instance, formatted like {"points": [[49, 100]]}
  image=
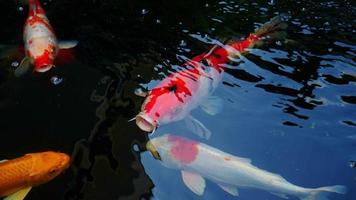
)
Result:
{"points": [[288, 105]]}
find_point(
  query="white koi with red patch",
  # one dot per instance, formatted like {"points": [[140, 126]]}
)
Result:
{"points": [[198, 161]]}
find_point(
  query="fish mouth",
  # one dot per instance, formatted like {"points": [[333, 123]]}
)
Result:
{"points": [[65, 161], [146, 123], [151, 148], [44, 68]]}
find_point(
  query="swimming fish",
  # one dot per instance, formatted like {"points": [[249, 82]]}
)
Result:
{"points": [[178, 94], [198, 161], [19, 175], [41, 45]]}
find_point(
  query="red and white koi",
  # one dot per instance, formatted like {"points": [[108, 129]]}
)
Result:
{"points": [[41, 45], [198, 161], [177, 95]]}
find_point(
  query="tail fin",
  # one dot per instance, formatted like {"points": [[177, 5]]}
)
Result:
{"points": [[274, 28], [323, 192], [35, 7]]}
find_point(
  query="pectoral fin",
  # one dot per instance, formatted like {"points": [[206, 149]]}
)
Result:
{"points": [[141, 92], [212, 105], [25, 67], [197, 127], [67, 44], [230, 189], [19, 195], [194, 182]]}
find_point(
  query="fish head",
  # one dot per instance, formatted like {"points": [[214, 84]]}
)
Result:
{"points": [[43, 51], [159, 147], [47, 165], [173, 151], [43, 64], [44, 61], [164, 104], [145, 122]]}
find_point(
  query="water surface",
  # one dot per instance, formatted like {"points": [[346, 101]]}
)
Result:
{"points": [[288, 105]]}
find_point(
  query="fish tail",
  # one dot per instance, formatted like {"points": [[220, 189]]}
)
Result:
{"points": [[275, 27], [323, 192], [34, 7]]}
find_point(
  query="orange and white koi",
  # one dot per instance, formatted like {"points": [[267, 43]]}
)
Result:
{"points": [[19, 175], [177, 95], [198, 161], [41, 45]]}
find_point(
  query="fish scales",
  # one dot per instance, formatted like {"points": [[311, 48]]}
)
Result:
{"points": [[17, 169]]}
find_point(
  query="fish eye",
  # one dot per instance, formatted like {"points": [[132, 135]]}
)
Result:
{"points": [[52, 171], [172, 88]]}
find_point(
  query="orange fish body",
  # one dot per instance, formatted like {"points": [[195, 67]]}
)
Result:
{"points": [[30, 170]]}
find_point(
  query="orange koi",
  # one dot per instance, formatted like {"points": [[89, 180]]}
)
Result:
{"points": [[19, 175]]}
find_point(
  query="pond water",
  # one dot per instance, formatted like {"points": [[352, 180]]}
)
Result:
{"points": [[288, 105]]}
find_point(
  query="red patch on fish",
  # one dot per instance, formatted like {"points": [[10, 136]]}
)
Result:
{"points": [[227, 158], [241, 46], [39, 20], [177, 89], [183, 149]]}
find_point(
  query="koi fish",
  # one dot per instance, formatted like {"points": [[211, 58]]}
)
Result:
{"points": [[41, 46], [178, 94], [198, 161], [19, 175]]}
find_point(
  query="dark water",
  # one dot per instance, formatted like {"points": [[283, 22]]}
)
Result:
{"points": [[289, 106]]}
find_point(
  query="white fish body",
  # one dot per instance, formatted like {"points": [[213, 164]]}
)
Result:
{"points": [[198, 161], [206, 87], [176, 96]]}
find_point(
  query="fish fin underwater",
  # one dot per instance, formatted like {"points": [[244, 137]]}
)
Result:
{"points": [[197, 127], [229, 189], [19, 195], [212, 105], [322, 193], [283, 196], [275, 27], [141, 91], [68, 44], [273, 30], [195, 182], [25, 67]]}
